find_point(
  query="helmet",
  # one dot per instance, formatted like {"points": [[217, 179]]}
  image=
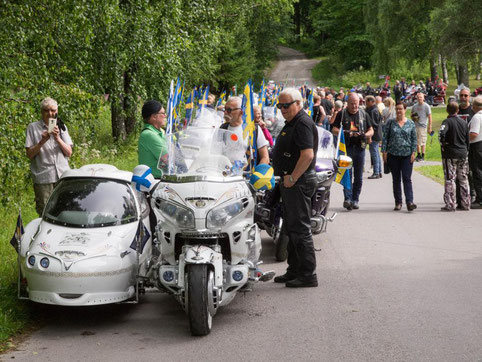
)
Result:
{"points": [[142, 178], [262, 177]]}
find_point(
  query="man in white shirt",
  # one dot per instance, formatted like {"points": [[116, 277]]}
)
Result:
{"points": [[422, 116], [49, 149], [475, 150], [233, 114]]}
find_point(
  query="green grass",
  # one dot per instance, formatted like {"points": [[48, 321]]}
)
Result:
{"points": [[434, 172], [15, 315]]}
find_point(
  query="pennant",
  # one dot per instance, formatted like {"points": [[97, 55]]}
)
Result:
{"points": [[19, 231]]}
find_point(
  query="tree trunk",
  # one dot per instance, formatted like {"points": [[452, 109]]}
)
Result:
{"points": [[297, 19], [117, 118], [129, 104], [433, 68], [464, 74], [445, 72]]}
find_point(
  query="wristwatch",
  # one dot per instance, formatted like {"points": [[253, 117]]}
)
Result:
{"points": [[292, 180]]}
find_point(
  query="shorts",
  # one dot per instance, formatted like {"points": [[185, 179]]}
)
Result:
{"points": [[42, 194], [421, 136]]}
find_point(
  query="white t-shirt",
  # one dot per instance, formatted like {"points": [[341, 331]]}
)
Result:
{"points": [[475, 126], [261, 140]]}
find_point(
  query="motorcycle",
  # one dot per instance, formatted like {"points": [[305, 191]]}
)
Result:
{"points": [[208, 243], [269, 209]]}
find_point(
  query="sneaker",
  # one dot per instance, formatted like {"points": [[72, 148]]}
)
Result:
{"points": [[374, 176], [347, 205], [284, 278], [461, 208], [354, 205], [411, 206], [418, 158], [447, 209], [305, 282]]}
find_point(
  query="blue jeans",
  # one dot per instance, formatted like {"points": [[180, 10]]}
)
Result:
{"points": [[401, 169], [357, 154], [376, 159]]}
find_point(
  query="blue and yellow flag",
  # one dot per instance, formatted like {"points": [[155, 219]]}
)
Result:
{"points": [[189, 106], [343, 176], [248, 120], [203, 97], [221, 99], [310, 104]]}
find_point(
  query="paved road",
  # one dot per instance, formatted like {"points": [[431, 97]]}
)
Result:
{"points": [[294, 68], [393, 287]]}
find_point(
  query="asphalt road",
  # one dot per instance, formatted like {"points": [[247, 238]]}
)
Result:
{"points": [[293, 68], [394, 286]]}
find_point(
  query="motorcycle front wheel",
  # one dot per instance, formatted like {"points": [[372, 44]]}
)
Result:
{"points": [[200, 317]]}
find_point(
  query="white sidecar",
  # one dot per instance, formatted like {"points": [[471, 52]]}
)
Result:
{"points": [[92, 241]]}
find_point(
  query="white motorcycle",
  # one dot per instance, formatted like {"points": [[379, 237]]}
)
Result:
{"points": [[209, 244]]}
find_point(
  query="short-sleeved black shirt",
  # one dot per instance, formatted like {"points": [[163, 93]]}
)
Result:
{"points": [[327, 105], [466, 114], [351, 122], [298, 134]]}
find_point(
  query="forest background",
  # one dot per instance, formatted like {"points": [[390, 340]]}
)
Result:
{"points": [[102, 59]]}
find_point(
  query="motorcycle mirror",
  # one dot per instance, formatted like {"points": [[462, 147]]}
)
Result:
{"points": [[344, 162]]}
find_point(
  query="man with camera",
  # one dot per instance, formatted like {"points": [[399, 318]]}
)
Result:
{"points": [[357, 127], [422, 116], [48, 147]]}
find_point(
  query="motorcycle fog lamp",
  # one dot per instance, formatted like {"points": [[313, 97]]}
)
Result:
{"points": [[44, 262], [168, 276], [31, 260], [237, 275]]}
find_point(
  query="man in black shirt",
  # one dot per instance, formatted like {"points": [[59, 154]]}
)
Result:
{"points": [[466, 113], [372, 110], [465, 109], [294, 160], [357, 127], [454, 142]]}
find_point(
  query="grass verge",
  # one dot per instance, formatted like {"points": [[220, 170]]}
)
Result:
{"points": [[435, 172]]}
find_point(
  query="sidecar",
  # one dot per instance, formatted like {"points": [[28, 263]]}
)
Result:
{"points": [[92, 242]]}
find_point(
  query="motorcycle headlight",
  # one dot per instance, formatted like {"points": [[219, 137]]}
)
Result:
{"points": [[180, 215], [219, 216]]}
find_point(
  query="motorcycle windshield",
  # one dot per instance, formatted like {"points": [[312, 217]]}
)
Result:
{"points": [[91, 202], [198, 151], [326, 146]]}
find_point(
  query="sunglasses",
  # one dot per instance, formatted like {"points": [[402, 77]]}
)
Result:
{"points": [[229, 110], [284, 105]]}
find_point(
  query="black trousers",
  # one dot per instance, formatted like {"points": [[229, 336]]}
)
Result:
{"points": [[297, 225], [475, 164]]}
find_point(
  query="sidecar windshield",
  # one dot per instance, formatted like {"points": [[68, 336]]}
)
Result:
{"points": [[198, 151], [90, 202]]}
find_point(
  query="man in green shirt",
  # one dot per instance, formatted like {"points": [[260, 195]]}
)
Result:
{"points": [[152, 141]]}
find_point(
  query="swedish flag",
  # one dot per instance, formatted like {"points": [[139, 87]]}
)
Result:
{"points": [[203, 98], [342, 176], [221, 98], [189, 106], [310, 104], [248, 120]]}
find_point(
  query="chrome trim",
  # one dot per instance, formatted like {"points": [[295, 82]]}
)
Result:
{"points": [[197, 178]]}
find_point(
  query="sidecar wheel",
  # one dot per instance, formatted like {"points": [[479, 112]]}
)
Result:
{"points": [[200, 318], [281, 246]]}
